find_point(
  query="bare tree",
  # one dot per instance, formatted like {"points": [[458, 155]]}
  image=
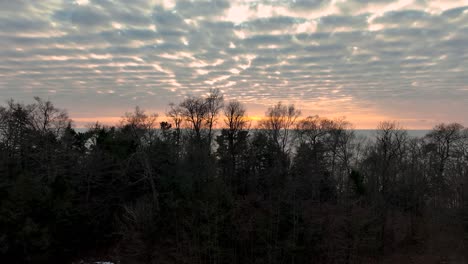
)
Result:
{"points": [[214, 103], [176, 114], [445, 139], [235, 119], [334, 139], [235, 116], [47, 118], [389, 151], [313, 129], [15, 125], [142, 126], [279, 120], [446, 144], [195, 112], [341, 144]]}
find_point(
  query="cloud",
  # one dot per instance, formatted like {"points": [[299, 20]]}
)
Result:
{"points": [[202, 8], [355, 58], [306, 5], [86, 16]]}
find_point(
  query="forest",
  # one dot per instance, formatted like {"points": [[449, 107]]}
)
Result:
{"points": [[202, 183]]}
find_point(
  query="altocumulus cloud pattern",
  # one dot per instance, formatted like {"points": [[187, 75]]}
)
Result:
{"points": [[367, 60]]}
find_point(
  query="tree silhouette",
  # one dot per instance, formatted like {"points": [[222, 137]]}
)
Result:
{"points": [[207, 186]]}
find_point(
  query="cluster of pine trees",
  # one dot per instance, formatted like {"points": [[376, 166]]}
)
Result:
{"points": [[292, 190]]}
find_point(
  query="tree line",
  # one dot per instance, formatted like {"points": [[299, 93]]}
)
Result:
{"points": [[180, 190]]}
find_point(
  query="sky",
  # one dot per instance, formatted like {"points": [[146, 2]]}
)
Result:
{"points": [[368, 61]]}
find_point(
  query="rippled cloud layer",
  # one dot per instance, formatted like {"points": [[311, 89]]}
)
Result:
{"points": [[366, 60]]}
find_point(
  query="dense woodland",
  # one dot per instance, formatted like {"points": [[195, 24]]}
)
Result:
{"points": [[202, 184]]}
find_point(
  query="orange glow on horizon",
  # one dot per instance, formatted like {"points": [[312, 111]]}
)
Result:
{"points": [[361, 121]]}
